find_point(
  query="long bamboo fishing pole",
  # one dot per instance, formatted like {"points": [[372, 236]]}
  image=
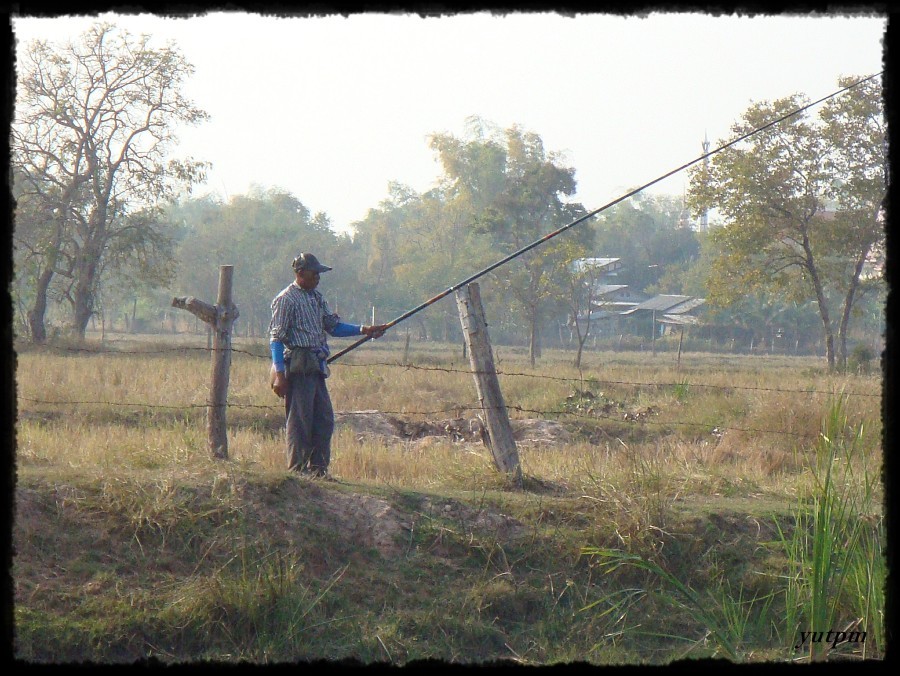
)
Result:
{"points": [[551, 235]]}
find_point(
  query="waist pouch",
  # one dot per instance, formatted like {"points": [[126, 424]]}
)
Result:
{"points": [[302, 362]]}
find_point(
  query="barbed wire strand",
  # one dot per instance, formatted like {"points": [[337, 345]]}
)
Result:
{"points": [[588, 378], [592, 379], [636, 418]]}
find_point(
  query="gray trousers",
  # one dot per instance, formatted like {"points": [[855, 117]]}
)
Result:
{"points": [[310, 423]]}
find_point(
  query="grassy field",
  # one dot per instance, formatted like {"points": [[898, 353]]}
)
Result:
{"points": [[724, 508]]}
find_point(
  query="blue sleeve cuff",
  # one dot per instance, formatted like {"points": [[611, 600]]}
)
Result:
{"points": [[342, 330], [277, 355]]}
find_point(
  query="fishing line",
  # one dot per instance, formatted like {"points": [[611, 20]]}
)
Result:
{"points": [[551, 235]]}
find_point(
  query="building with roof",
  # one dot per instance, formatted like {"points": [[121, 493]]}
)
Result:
{"points": [[614, 303], [668, 312], [604, 268], [664, 303]]}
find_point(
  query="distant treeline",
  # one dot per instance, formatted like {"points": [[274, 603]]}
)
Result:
{"points": [[104, 233]]}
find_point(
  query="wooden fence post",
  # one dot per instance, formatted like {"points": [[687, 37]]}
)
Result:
{"points": [[220, 319], [481, 358]]}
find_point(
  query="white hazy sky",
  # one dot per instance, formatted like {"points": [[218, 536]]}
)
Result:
{"points": [[333, 108]]}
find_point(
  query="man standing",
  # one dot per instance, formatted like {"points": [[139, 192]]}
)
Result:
{"points": [[300, 320]]}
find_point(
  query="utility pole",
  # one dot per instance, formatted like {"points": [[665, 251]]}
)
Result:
{"points": [[704, 217]]}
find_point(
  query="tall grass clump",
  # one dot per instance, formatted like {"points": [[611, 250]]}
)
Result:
{"points": [[836, 569], [833, 586], [731, 624]]}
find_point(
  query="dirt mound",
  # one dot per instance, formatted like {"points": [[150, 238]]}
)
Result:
{"points": [[367, 424], [370, 521], [539, 432], [373, 424]]}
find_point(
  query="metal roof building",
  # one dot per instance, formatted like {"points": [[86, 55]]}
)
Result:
{"points": [[606, 266], [669, 304]]}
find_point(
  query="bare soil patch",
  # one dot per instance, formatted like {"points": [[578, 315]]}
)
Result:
{"points": [[374, 425], [368, 520]]}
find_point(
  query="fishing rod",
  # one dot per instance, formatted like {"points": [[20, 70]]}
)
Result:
{"points": [[551, 235]]}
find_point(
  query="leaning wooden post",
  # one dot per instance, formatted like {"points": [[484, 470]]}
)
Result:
{"points": [[481, 358], [220, 318]]}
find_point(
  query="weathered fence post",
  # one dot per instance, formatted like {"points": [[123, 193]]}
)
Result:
{"points": [[481, 358], [220, 319]]}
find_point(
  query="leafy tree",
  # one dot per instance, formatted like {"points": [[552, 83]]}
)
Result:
{"points": [[856, 133], [439, 248], [380, 236], [688, 276], [94, 123], [646, 233], [773, 192], [259, 233], [474, 169], [513, 191]]}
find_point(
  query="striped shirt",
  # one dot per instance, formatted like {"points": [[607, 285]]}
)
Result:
{"points": [[301, 318]]}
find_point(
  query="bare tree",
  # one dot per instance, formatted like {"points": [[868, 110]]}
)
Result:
{"points": [[580, 292], [94, 123]]}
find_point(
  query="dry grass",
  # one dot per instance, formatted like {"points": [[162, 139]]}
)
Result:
{"points": [[649, 449], [730, 419]]}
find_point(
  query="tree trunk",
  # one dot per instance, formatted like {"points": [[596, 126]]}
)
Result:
{"points": [[85, 281], [582, 339], [848, 307], [828, 333], [533, 347], [36, 316], [36, 326], [823, 306], [84, 304]]}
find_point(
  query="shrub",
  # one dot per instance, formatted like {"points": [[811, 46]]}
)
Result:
{"points": [[860, 359]]}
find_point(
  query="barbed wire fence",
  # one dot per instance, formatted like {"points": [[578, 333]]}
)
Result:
{"points": [[582, 411]]}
